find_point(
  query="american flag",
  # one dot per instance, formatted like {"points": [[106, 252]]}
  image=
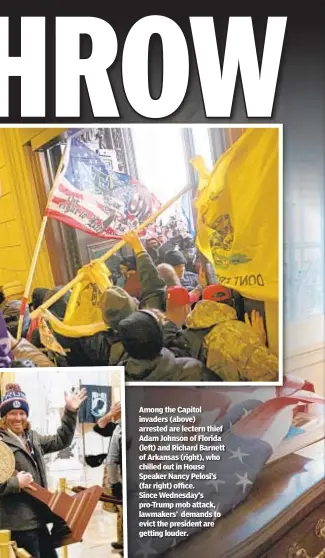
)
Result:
{"points": [[90, 196], [251, 430]]}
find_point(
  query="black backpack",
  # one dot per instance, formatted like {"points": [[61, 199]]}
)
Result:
{"points": [[195, 338]]}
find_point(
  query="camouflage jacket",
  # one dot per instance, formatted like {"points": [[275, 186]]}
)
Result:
{"points": [[233, 350]]}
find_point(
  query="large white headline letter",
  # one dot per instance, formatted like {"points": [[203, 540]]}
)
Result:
{"points": [[175, 66], [69, 66], [218, 87], [30, 66]]}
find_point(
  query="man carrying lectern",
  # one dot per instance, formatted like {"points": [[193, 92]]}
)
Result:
{"points": [[23, 515]]}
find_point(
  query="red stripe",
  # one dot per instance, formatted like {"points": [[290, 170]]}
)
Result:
{"points": [[76, 225], [85, 198], [23, 305], [89, 212], [65, 190], [72, 223]]}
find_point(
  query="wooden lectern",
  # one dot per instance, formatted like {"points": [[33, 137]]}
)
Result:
{"points": [[75, 511], [283, 516], [103, 498]]}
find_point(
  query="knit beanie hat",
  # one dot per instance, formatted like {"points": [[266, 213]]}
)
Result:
{"points": [[60, 306], [116, 304], [38, 296], [131, 263], [175, 257], [13, 399], [141, 335]]}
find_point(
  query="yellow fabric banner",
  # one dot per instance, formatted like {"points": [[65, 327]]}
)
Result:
{"points": [[237, 213], [48, 340], [83, 306], [83, 315]]}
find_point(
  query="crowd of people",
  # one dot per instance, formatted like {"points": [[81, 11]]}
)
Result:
{"points": [[167, 317]]}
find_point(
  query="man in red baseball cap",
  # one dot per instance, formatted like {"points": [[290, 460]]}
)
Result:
{"points": [[233, 349], [178, 303], [217, 293]]}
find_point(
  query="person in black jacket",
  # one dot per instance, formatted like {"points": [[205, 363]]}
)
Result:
{"points": [[147, 359], [106, 425], [109, 426]]}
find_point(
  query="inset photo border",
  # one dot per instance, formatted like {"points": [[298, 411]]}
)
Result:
{"points": [[72, 422]]}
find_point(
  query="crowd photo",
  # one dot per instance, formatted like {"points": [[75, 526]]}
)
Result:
{"points": [[188, 289]]}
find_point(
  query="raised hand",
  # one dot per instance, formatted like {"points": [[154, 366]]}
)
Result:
{"points": [[115, 411], [133, 240], [113, 414], [73, 401], [257, 324]]}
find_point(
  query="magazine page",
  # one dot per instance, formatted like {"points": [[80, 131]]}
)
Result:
{"points": [[162, 287]]}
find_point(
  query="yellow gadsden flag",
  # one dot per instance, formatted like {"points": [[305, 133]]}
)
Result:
{"points": [[83, 316], [237, 212]]}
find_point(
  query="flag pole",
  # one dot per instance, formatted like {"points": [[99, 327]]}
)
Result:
{"points": [[109, 253], [31, 272], [83, 442], [37, 249]]}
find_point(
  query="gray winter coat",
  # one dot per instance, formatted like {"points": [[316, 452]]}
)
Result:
{"points": [[18, 510], [114, 457], [153, 287]]}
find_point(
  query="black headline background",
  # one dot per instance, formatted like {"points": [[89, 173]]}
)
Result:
{"points": [[299, 94]]}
